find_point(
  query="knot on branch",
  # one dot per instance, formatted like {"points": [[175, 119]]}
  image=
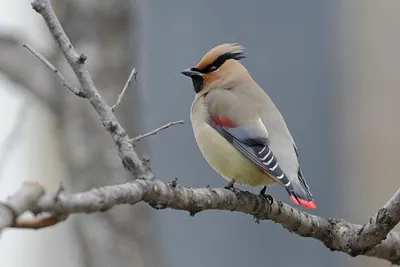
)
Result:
{"points": [[129, 165], [195, 209], [174, 182], [82, 59], [146, 161], [111, 126], [81, 94], [383, 217], [157, 205], [38, 6]]}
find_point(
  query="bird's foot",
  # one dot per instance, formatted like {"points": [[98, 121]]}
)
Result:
{"points": [[230, 185], [263, 190], [264, 195]]}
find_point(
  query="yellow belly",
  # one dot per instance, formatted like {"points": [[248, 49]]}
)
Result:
{"points": [[226, 160]]}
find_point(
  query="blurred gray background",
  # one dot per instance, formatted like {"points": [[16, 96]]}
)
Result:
{"points": [[332, 68], [289, 55]]}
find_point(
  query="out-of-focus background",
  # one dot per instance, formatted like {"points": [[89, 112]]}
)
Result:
{"points": [[332, 67]]}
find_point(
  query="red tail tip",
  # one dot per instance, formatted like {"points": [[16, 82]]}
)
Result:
{"points": [[307, 204], [294, 200]]}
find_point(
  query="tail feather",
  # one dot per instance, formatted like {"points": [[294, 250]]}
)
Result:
{"points": [[301, 195], [302, 202]]}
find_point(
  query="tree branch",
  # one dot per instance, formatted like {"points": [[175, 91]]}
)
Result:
{"points": [[121, 95], [72, 88], [142, 136], [378, 226], [124, 146], [336, 234]]}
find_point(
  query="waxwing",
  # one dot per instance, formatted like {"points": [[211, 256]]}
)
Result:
{"points": [[238, 128]]}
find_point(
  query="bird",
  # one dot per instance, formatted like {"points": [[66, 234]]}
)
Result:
{"points": [[239, 130]]}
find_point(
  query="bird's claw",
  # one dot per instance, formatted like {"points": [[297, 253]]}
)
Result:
{"points": [[266, 196], [230, 185], [263, 190]]}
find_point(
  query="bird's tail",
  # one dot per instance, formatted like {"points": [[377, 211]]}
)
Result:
{"points": [[300, 200], [300, 195]]}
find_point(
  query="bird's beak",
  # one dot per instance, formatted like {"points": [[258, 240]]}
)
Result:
{"points": [[190, 73]]}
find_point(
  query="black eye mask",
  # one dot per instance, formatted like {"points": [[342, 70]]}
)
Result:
{"points": [[219, 61]]}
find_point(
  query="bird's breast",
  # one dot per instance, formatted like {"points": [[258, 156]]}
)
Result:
{"points": [[225, 159]]}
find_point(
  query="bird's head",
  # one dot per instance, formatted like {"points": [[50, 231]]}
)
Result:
{"points": [[218, 69]]}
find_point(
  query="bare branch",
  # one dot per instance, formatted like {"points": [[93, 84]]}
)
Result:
{"points": [[72, 88], [336, 234], [378, 227], [129, 157], [121, 95], [142, 136]]}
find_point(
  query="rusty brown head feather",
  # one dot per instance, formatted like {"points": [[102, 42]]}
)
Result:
{"points": [[205, 71]]}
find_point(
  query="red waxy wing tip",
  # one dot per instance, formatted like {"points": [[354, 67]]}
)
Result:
{"points": [[306, 204], [223, 121], [294, 200]]}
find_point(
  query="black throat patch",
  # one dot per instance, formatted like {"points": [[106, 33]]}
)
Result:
{"points": [[197, 83]]}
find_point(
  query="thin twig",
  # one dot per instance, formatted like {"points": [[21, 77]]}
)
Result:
{"points": [[72, 88], [142, 136], [121, 95]]}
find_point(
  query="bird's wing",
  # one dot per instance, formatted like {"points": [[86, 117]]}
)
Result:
{"points": [[300, 175], [242, 127]]}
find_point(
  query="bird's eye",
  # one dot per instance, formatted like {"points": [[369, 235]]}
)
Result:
{"points": [[213, 68]]}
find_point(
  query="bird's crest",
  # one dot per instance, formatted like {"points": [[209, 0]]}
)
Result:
{"points": [[219, 54]]}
